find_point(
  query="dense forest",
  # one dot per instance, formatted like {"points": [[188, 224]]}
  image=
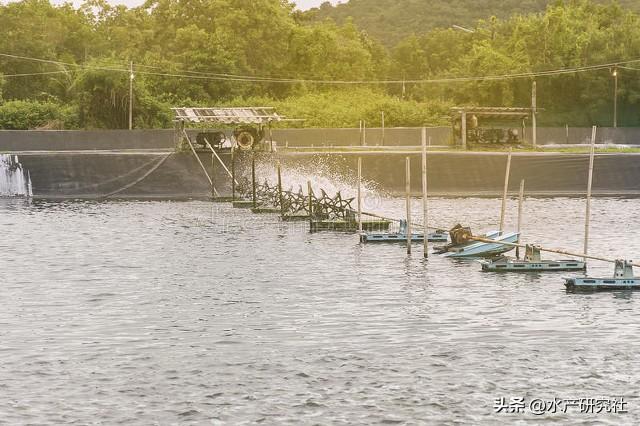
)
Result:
{"points": [[62, 67], [389, 21]]}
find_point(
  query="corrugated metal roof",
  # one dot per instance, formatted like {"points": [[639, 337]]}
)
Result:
{"points": [[246, 115]]}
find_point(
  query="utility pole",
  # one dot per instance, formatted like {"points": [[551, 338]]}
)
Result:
{"points": [[615, 97], [131, 76]]}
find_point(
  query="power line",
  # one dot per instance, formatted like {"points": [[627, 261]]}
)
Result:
{"points": [[32, 74], [257, 79]]}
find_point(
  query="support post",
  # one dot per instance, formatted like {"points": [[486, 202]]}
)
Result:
{"points": [[534, 111], [360, 196], [364, 133], [463, 126], [408, 189], [233, 173], [360, 132], [310, 205], [520, 205], [382, 140], [506, 189], [589, 185], [213, 175], [280, 200], [425, 210], [131, 76], [253, 179], [567, 133]]}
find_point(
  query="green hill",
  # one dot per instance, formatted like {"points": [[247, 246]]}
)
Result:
{"points": [[389, 21]]}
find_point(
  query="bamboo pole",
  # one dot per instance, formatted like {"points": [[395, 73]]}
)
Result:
{"points": [[408, 188], [280, 200], [253, 179], [425, 210], [506, 189], [587, 219], [520, 205], [359, 195], [213, 175]]}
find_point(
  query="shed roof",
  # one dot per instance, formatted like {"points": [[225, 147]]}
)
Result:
{"points": [[245, 115]]}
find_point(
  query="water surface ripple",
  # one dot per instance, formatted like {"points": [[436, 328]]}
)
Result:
{"points": [[196, 313]]}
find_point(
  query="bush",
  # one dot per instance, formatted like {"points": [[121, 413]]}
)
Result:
{"points": [[24, 115]]}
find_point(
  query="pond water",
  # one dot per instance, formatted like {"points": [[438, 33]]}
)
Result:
{"points": [[197, 313]]}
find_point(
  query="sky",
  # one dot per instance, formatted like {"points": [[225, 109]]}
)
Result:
{"points": [[302, 4]]}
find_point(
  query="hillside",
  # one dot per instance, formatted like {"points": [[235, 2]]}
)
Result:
{"points": [[389, 21]]}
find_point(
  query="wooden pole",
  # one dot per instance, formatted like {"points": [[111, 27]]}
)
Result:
{"points": [[504, 193], [360, 195], [534, 108], [520, 204], [193, 150], [280, 200], [425, 210], [408, 188], [589, 185], [233, 173], [253, 179]]}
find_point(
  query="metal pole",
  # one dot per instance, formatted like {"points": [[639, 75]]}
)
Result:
{"points": [[280, 200], [504, 193], [589, 185], [534, 108], [615, 98], [360, 132], [520, 204], [408, 188], [425, 211], [131, 95], [382, 128], [360, 195], [253, 179], [233, 173]]}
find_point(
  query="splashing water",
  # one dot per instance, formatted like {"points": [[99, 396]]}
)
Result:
{"points": [[14, 180], [323, 176]]}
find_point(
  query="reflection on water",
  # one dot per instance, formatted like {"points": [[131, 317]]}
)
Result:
{"points": [[181, 313]]}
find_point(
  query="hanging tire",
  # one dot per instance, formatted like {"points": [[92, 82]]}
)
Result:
{"points": [[245, 140]]}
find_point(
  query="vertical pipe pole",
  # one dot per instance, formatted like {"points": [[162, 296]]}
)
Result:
{"points": [[131, 76], [534, 111], [567, 133], [233, 173], [213, 175], [589, 185], [364, 133], [310, 190], [464, 129], [408, 189], [382, 143], [520, 204], [280, 200], [253, 179], [359, 196], [360, 122], [504, 193], [425, 210]]}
